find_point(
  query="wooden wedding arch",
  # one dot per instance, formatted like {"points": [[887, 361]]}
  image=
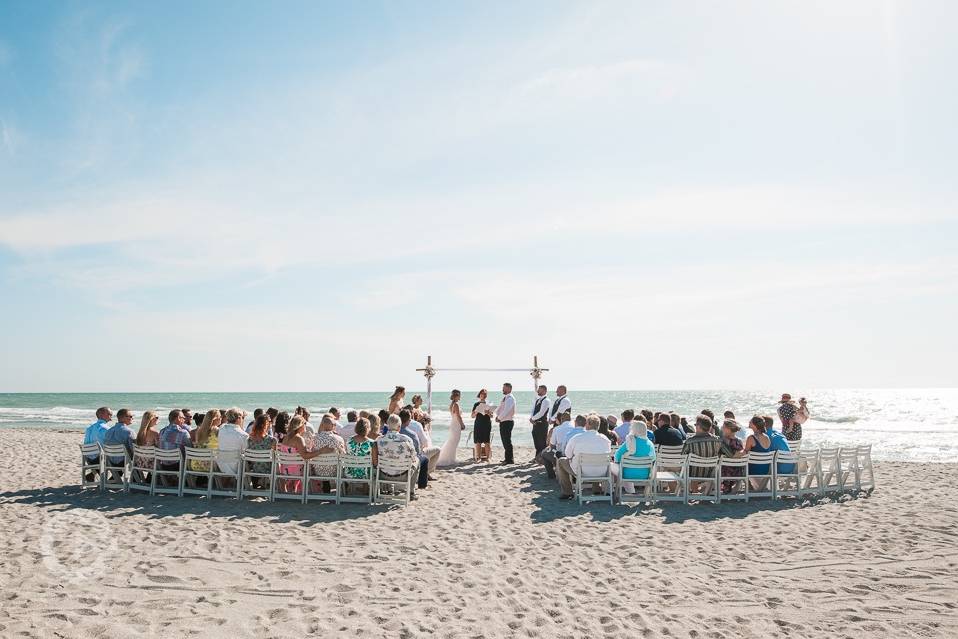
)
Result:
{"points": [[429, 371]]}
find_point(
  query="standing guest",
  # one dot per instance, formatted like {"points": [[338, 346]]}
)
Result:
{"points": [[447, 454], [505, 417], [792, 416], [482, 428], [147, 435], [396, 447], [173, 436], [417, 402], [361, 446], [260, 439], [622, 430], [404, 420], [232, 442], [540, 421], [636, 444], [395, 400], [760, 443], [588, 442], [704, 444], [121, 434], [556, 436], [348, 430], [94, 434], [731, 447], [561, 405], [325, 442], [665, 434]]}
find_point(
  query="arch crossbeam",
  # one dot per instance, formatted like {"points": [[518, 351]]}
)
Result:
{"points": [[429, 371]]}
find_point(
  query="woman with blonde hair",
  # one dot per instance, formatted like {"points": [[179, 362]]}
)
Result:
{"points": [[205, 437], [295, 442], [375, 426], [148, 435], [395, 400]]}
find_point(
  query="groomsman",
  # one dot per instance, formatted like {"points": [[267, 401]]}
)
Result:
{"points": [[562, 404], [540, 421], [505, 416]]}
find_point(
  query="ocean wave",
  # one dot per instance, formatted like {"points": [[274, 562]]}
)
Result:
{"points": [[838, 420]]}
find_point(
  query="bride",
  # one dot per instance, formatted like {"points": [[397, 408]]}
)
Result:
{"points": [[447, 455]]}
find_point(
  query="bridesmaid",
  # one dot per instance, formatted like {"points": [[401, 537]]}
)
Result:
{"points": [[482, 430], [395, 400]]}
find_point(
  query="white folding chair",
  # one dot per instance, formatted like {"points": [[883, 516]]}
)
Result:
{"points": [[795, 445], [711, 481], [829, 470], [162, 478], [249, 479], [350, 465], [197, 472], [637, 464], [738, 484], [323, 468], [761, 484], [867, 479], [788, 479], [87, 466], [668, 450], [399, 475], [593, 460], [112, 469], [288, 469], [809, 472], [669, 471], [225, 474], [141, 468], [849, 472]]}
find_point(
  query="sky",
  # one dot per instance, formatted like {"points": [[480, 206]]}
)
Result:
{"points": [[316, 196]]}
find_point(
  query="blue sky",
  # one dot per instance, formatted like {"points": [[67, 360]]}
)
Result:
{"points": [[647, 195]]}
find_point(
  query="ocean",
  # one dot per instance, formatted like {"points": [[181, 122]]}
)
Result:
{"points": [[905, 424]]}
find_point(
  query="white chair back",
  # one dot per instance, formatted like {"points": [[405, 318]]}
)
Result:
{"points": [[592, 462], [787, 477], [669, 478], [355, 470], [761, 473], [736, 484], [90, 467], [829, 470], [141, 468], [116, 467], [323, 468], [707, 486], [249, 477], [867, 480], [225, 474], [166, 481], [289, 476], [197, 471], [398, 475]]}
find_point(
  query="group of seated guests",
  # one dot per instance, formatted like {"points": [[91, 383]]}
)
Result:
{"points": [[403, 438], [640, 432]]}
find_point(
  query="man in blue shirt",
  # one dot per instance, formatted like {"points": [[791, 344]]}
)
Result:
{"points": [[95, 434], [121, 433], [779, 443], [405, 416]]}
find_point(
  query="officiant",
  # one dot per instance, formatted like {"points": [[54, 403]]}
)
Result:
{"points": [[482, 428]]}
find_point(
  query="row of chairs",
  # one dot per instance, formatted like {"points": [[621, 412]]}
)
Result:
{"points": [[673, 476], [274, 475]]}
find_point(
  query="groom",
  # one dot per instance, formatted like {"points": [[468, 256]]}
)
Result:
{"points": [[505, 416]]}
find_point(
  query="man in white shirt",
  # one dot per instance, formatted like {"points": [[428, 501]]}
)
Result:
{"points": [[348, 430], [232, 441], [550, 454], [505, 416], [562, 404], [425, 441], [540, 421], [587, 442]]}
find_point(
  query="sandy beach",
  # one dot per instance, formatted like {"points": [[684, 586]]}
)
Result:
{"points": [[487, 551]]}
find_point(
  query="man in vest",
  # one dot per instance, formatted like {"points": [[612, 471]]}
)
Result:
{"points": [[540, 422], [561, 405]]}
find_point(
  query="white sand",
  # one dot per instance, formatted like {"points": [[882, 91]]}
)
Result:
{"points": [[485, 552]]}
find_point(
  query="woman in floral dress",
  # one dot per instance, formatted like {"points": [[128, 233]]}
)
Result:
{"points": [[260, 439]]}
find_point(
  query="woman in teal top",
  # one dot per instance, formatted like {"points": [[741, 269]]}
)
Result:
{"points": [[636, 444]]}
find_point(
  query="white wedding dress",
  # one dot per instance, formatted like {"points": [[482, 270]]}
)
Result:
{"points": [[447, 454]]}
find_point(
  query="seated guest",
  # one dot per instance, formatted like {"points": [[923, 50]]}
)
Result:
{"points": [[232, 440], [675, 420], [278, 427], [94, 434], [647, 414], [198, 419], [361, 446], [206, 437], [586, 442], [728, 415], [779, 443], [256, 414], [337, 417], [428, 449], [649, 430], [295, 442], [347, 430], [396, 447], [665, 435], [636, 444], [405, 422], [260, 439], [704, 444], [327, 441], [622, 430], [173, 436], [383, 420], [121, 434], [555, 435], [759, 442], [375, 426], [577, 429], [731, 447], [147, 435], [605, 431], [187, 418], [708, 411]]}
